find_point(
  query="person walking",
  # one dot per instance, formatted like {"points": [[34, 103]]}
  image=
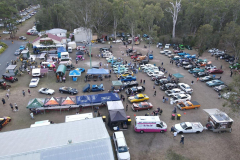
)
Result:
{"points": [[172, 129], [127, 107], [23, 92], [174, 134], [31, 114], [7, 95], [197, 79], [16, 107], [154, 87], [11, 106], [144, 81], [110, 71], [155, 92], [221, 67], [3, 101], [162, 63], [163, 99], [192, 82], [141, 81], [175, 109], [64, 79], [231, 73], [182, 139], [8, 90], [29, 92]]}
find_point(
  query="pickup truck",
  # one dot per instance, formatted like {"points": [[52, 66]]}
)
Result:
{"points": [[95, 88], [135, 89], [128, 78], [188, 105], [188, 127]]}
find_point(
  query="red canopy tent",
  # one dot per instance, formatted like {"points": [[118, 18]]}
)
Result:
{"points": [[53, 101], [68, 101]]}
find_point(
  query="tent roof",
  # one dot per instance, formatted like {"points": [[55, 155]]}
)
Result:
{"points": [[83, 99], [104, 97], [117, 115], [178, 75], [62, 68], [74, 73], [52, 101], [218, 115], [11, 67], [36, 103], [116, 83], [68, 101], [98, 71], [113, 105]]}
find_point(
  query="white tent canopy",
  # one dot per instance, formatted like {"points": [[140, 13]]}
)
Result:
{"points": [[113, 105]]}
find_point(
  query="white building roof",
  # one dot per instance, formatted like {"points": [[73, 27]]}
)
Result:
{"points": [[90, 141]]}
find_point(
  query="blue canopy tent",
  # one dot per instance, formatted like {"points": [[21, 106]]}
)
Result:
{"points": [[98, 71], [104, 97], [178, 75], [84, 100], [74, 74]]}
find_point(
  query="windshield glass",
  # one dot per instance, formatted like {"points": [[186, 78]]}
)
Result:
{"points": [[122, 149], [186, 104], [136, 97], [183, 125]]}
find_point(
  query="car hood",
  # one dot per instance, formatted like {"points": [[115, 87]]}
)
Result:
{"points": [[73, 90], [178, 127], [124, 155], [130, 98]]}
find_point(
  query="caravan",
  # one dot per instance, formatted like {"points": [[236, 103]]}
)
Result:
{"points": [[149, 124]]}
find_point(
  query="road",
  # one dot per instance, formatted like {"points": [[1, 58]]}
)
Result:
{"points": [[8, 54]]}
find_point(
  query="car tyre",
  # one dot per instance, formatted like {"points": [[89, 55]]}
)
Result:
{"points": [[48, 94], [61, 92], [141, 132], [181, 132], [161, 131], [196, 108], [71, 93], [198, 132]]}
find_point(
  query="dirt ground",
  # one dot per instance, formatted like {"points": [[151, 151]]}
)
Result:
{"points": [[206, 145]]}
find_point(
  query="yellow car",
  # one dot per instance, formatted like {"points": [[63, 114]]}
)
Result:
{"points": [[93, 41], [138, 98], [4, 121], [125, 74]]}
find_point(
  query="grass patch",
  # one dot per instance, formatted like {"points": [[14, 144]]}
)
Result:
{"points": [[171, 155], [4, 47]]}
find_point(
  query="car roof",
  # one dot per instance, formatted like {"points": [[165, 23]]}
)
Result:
{"points": [[140, 95]]}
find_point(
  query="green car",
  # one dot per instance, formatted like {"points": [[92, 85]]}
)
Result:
{"points": [[181, 46], [235, 66], [188, 47]]}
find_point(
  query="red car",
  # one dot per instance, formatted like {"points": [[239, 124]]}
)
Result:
{"points": [[141, 106], [215, 71], [177, 51]]}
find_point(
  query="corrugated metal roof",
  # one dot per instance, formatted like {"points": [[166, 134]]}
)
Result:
{"points": [[89, 138]]}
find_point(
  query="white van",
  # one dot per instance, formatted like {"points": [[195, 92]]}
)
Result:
{"points": [[149, 124], [78, 117], [107, 54], [36, 72], [121, 146], [70, 49]]}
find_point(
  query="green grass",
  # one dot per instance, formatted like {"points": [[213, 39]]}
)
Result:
{"points": [[4, 47]]}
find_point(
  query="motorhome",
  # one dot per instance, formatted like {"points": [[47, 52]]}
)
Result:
{"points": [[36, 72], [149, 124], [65, 56]]}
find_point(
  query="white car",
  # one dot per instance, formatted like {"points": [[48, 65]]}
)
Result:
{"points": [[121, 146], [34, 82], [146, 66], [188, 127], [165, 51], [107, 54], [212, 50], [117, 41], [167, 46], [111, 57], [210, 67], [6, 32], [173, 92], [185, 87], [229, 94], [46, 91], [155, 73], [180, 98]]}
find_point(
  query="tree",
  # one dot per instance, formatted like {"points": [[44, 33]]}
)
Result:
{"points": [[231, 37], [117, 10], [174, 11], [204, 35]]}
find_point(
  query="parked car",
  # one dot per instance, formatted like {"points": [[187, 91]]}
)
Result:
{"points": [[80, 53], [210, 67], [130, 84], [17, 52], [220, 88], [188, 47], [165, 51], [214, 83], [200, 74], [196, 70], [167, 46], [9, 77], [46, 91], [129, 73], [22, 38], [6, 32], [129, 50], [121, 147], [212, 50], [150, 56], [173, 92], [207, 78], [188, 127], [95, 88], [138, 98], [185, 87], [215, 71], [117, 41], [128, 78], [190, 66], [34, 82], [188, 105], [181, 46], [135, 89], [235, 66], [141, 106], [180, 98], [168, 86], [68, 90]]}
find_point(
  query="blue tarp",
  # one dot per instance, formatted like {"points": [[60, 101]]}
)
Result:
{"points": [[59, 50], [81, 100], [104, 97], [98, 71], [74, 73]]}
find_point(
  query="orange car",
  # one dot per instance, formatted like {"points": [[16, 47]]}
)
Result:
{"points": [[188, 105], [203, 64], [4, 121]]}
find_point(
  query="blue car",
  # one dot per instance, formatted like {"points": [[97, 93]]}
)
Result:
{"points": [[183, 54], [214, 83], [150, 56], [128, 78], [80, 70], [196, 70], [145, 36], [190, 56], [22, 47], [95, 88]]}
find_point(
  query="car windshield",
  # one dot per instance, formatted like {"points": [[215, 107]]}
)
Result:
{"points": [[183, 125], [122, 149], [179, 97], [136, 97]]}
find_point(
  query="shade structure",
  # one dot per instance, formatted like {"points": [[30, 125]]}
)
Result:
{"points": [[51, 65], [68, 101], [74, 73], [61, 70], [35, 103], [53, 101], [178, 75], [118, 115], [98, 71], [116, 83], [114, 105], [83, 100], [104, 97]]}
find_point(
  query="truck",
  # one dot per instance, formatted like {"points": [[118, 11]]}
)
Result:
{"points": [[4, 85], [188, 127], [149, 124], [188, 105], [95, 88]]}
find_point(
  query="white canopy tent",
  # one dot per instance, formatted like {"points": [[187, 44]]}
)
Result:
{"points": [[113, 105]]}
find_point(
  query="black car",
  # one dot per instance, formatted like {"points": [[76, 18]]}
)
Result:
{"points": [[129, 50], [200, 74], [22, 38], [80, 53], [168, 86], [135, 89], [68, 90], [130, 84], [17, 52], [160, 81], [70, 67], [226, 56], [230, 59]]}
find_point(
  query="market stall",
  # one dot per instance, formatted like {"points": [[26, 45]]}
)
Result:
{"points": [[84, 100], [97, 71], [104, 97], [68, 101], [11, 69], [114, 105], [53, 101], [117, 119], [74, 74]]}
